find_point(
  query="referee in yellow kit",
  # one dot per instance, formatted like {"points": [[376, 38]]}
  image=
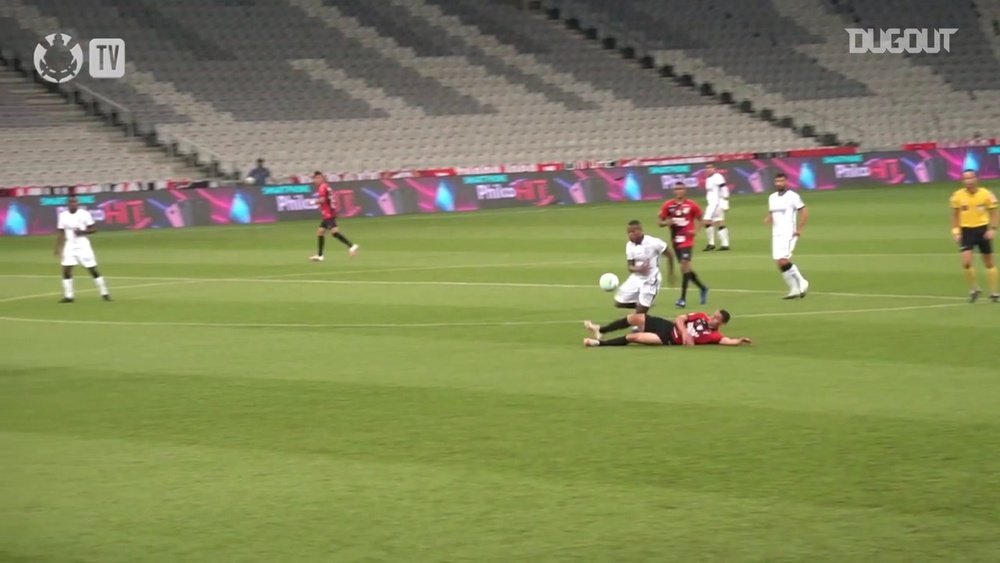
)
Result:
{"points": [[974, 222]]}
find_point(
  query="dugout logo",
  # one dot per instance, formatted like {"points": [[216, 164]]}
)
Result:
{"points": [[59, 58], [895, 40]]}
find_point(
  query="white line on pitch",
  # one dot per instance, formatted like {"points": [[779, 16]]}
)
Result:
{"points": [[433, 268], [848, 311], [90, 289], [429, 325], [491, 284]]}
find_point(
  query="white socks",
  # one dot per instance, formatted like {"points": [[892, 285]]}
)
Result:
{"points": [[102, 285], [723, 235], [799, 278], [795, 280], [792, 281]]}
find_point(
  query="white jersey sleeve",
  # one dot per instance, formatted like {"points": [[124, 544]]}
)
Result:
{"points": [[86, 220], [62, 221]]}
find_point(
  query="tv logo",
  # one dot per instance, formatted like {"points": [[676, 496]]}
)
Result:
{"points": [[59, 58], [896, 40]]}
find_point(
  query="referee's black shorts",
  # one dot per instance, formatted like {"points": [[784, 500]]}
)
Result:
{"points": [[975, 237]]}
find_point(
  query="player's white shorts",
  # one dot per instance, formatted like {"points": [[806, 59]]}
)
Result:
{"points": [[782, 247], [639, 290], [82, 256]]}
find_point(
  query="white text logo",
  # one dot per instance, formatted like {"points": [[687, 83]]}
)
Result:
{"points": [[495, 191], [896, 40]]}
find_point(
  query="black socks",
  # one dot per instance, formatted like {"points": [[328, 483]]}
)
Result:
{"points": [[620, 324], [342, 239], [688, 278]]}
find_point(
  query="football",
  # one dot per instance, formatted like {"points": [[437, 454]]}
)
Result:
{"points": [[608, 282]]}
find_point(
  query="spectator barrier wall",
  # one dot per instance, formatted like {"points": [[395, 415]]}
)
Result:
{"points": [[241, 204]]}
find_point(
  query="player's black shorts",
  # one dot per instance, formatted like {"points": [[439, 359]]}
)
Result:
{"points": [[660, 327], [975, 237], [684, 254], [328, 223]]}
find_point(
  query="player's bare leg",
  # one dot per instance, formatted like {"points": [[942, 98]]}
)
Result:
{"points": [[645, 338], [67, 283]]}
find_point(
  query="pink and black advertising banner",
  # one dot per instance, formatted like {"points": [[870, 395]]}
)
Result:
{"points": [[241, 205]]}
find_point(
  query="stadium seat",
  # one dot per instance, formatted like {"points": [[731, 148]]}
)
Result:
{"points": [[792, 56]]}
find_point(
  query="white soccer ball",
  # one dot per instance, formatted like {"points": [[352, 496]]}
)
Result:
{"points": [[608, 282], [249, 180]]}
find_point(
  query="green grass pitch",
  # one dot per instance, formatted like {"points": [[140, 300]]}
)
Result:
{"points": [[430, 400]]}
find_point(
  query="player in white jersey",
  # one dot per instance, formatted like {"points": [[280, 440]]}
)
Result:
{"points": [[73, 246], [643, 255], [639, 291], [717, 196], [787, 214]]}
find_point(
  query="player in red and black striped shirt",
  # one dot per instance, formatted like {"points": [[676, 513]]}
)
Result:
{"points": [[692, 329], [682, 216], [324, 197]]}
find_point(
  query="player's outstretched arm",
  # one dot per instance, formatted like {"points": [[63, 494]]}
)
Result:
{"points": [[60, 242], [726, 341]]}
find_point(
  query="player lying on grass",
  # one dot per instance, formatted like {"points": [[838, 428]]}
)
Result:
{"points": [[692, 329]]}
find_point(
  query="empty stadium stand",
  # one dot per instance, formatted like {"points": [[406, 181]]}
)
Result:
{"points": [[354, 85], [46, 141], [791, 56], [349, 85]]}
